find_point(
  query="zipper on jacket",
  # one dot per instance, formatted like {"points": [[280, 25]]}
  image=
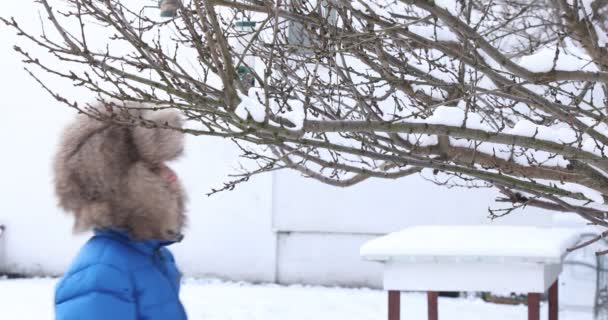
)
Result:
{"points": [[160, 262]]}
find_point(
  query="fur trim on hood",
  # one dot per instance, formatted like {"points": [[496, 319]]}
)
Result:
{"points": [[114, 176]]}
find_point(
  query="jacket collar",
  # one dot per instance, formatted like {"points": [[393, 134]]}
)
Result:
{"points": [[144, 246]]}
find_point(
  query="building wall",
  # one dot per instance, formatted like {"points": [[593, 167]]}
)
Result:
{"points": [[325, 259], [381, 206]]}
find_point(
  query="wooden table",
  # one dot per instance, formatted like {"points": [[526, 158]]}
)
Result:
{"points": [[472, 258]]}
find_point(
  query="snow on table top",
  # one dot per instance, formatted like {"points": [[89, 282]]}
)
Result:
{"points": [[473, 243]]}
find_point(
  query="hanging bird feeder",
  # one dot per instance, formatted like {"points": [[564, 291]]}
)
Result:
{"points": [[168, 8], [245, 25], [244, 68]]}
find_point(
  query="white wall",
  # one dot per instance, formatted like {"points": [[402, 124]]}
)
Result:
{"points": [[381, 206], [325, 259]]}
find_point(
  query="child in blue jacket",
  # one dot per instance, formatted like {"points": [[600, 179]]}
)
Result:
{"points": [[114, 180]]}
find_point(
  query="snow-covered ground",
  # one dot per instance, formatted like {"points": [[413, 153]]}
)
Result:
{"points": [[217, 300]]}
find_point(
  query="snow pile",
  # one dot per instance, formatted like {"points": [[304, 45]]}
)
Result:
{"points": [[251, 105], [589, 193], [294, 112], [452, 116], [503, 242], [526, 128], [217, 300], [543, 61], [560, 134], [455, 116], [434, 32], [448, 116]]}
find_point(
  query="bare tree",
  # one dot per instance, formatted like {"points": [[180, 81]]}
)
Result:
{"points": [[510, 94]]}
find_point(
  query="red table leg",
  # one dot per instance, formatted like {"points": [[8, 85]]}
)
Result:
{"points": [[394, 305], [432, 305], [533, 306], [553, 301]]}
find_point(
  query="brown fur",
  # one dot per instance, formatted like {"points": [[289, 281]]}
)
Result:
{"points": [[107, 176]]}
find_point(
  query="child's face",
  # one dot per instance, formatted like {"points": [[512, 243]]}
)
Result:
{"points": [[167, 174]]}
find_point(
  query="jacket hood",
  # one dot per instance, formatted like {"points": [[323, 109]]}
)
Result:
{"points": [[110, 176]]}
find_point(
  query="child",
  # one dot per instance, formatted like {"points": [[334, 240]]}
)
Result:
{"points": [[114, 180]]}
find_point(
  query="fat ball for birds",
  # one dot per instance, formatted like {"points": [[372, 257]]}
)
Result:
{"points": [[168, 8]]}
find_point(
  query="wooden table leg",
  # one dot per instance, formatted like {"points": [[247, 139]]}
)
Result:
{"points": [[432, 305], [533, 306], [394, 305], [554, 301]]}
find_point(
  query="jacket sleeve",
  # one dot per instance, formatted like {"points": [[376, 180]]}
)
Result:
{"points": [[94, 293]]}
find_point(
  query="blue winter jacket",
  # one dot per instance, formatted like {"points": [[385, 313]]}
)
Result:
{"points": [[116, 277]]}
